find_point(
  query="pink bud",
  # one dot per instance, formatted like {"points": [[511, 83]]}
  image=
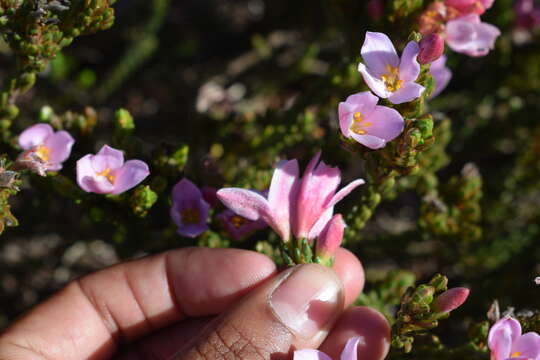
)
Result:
{"points": [[431, 48], [451, 299], [375, 9], [330, 238]]}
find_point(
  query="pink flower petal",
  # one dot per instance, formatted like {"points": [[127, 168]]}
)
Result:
{"points": [[470, 36], [345, 191], [245, 203], [371, 141], [386, 123], [310, 354], [87, 179], [363, 102], [527, 345], [282, 196], [441, 74], [129, 175], [375, 84], [408, 92], [35, 135], [321, 223], [59, 145], [378, 52], [112, 158], [501, 336], [318, 186], [350, 352], [409, 68]]}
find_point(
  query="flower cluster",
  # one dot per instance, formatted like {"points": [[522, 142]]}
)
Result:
{"points": [[104, 173], [506, 341], [302, 207], [458, 22]]}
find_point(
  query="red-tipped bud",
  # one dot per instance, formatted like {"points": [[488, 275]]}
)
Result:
{"points": [[431, 48], [451, 299], [375, 9], [330, 238]]}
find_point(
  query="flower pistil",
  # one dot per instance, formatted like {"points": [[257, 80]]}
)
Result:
{"points": [[391, 78]]}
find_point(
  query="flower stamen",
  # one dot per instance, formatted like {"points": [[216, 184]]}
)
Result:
{"points": [[190, 216], [391, 78], [107, 174], [238, 221], [359, 124], [43, 153]]}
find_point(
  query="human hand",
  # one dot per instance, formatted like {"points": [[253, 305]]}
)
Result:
{"points": [[198, 303]]}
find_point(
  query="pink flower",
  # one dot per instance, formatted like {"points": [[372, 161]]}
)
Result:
{"points": [[189, 210], [350, 352], [466, 7], [371, 125], [237, 226], [44, 145], [441, 73], [537, 280], [385, 73], [106, 172], [330, 238], [305, 205], [470, 36], [451, 299], [431, 48], [505, 341]]}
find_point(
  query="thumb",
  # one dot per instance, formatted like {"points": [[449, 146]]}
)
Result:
{"points": [[294, 310]]}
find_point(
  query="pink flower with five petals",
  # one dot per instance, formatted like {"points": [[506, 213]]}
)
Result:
{"points": [[106, 172], [387, 75], [361, 119], [46, 146]]}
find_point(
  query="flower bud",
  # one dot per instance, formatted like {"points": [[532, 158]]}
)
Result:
{"points": [[330, 238], [431, 48], [451, 299]]}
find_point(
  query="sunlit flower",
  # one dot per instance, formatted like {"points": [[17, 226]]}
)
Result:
{"points": [[189, 209], [45, 149], [441, 74], [361, 119], [388, 75], [505, 341], [106, 172], [470, 36], [350, 352], [303, 205], [237, 226]]}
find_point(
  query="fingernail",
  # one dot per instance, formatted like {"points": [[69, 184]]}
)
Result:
{"points": [[308, 300]]}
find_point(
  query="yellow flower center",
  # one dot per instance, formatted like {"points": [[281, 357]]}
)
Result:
{"points": [[190, 216], [391, 78], [516, 354], [359, 125], [43, 153], [107, 174], [238, 221]]}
